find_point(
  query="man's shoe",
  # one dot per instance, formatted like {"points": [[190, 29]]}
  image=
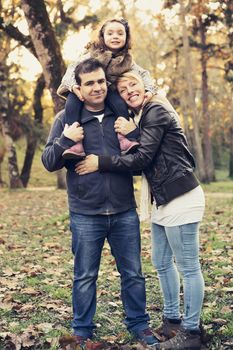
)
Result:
{"points": [[168, 329], [75, 152], [79, 339], [183, 340], [127, 146], [146, 336], [72, 341]]}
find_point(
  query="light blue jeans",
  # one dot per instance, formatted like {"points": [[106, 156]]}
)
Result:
{"points": [[177, 249]]}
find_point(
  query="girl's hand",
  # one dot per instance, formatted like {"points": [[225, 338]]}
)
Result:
{"points": [[89, 165], [73, 132], [147, 97], [124, 126]]}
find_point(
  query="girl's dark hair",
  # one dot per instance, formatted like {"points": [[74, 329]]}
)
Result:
{"points": [[100, 43]]}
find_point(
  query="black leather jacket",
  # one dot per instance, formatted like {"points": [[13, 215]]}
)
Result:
{"points": [[163, 154]]}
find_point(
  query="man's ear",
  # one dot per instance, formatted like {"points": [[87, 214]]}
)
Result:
{"points": [[77, 92]]}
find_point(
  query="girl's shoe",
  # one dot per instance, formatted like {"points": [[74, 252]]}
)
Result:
{"points": [[127, 146], [75, 152], [183, 340]]}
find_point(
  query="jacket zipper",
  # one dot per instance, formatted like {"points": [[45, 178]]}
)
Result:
{"points": [[106, 177]]}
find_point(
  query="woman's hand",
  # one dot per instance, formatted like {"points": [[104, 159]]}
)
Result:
{"points": [[124, 126], [89, 165], [147, 97]]}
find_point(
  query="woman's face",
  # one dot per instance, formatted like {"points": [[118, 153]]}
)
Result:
{"points": [[114, 36], [132, 91]]}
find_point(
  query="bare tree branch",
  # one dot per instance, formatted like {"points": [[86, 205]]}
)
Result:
{"points": [[76, 25], [14, 33]]}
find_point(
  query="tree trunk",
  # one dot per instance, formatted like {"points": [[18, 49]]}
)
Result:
{"points": [[2, 154], [228, 12], [28, 159], [231, 152], [14, 178], [32, 136], [48, 53], [207, 145], [188, 132], [1, 179], [191, 98], [46, 46]]}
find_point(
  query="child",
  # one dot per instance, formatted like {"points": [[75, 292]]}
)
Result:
{"points": [[112, 50]]}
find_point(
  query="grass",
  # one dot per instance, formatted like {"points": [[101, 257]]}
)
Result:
{"points": [[36, 267], [219, 186], [36, 272]]}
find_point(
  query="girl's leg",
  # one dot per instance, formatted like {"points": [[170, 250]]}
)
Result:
{"points": [[162, 259], [120, 109], [184, 242], [73, 110], [117, 104]]}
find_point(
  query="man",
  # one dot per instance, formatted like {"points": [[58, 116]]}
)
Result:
{"points": [[101, 206]]}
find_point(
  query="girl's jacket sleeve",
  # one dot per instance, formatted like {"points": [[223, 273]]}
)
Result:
{"points": [[146, 77], [57, 143], [69, 79]]}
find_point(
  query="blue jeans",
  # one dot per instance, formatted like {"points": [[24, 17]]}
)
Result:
{"points": [[88, 235], [179, 243]]}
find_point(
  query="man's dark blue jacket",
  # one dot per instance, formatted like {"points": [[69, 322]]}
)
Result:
{"points": [[95, 193]]}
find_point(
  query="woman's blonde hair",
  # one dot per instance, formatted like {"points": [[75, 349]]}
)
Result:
{"points": [[129, 75], [156, 98]]}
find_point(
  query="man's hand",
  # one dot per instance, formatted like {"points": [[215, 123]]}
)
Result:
{"points": [[89, 165], [73, 132], [124, 126]]}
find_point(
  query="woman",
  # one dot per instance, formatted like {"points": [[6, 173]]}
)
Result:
{"points": [[178, 207]]}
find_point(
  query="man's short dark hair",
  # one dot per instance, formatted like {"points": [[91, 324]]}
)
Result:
{"points": [[87, 66]]}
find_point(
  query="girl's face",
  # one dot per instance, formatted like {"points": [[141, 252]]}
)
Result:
{"points": [[132, 91], [114, 36]]}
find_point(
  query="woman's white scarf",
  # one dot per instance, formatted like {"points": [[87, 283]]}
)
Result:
{"points": [[145, 195], [145, 199]]}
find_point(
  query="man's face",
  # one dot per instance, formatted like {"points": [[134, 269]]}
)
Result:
{"points": [[92, 90]]}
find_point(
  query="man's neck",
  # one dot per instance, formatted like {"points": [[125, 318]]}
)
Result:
{"points": [[94, 109]]}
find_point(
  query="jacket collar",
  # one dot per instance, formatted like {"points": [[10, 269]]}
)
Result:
{"points": [[86, 115]]}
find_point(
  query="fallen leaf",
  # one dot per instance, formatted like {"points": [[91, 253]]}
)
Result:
{"points": [[44, 327], [30, 291], [226, 309], [220, 321]]}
